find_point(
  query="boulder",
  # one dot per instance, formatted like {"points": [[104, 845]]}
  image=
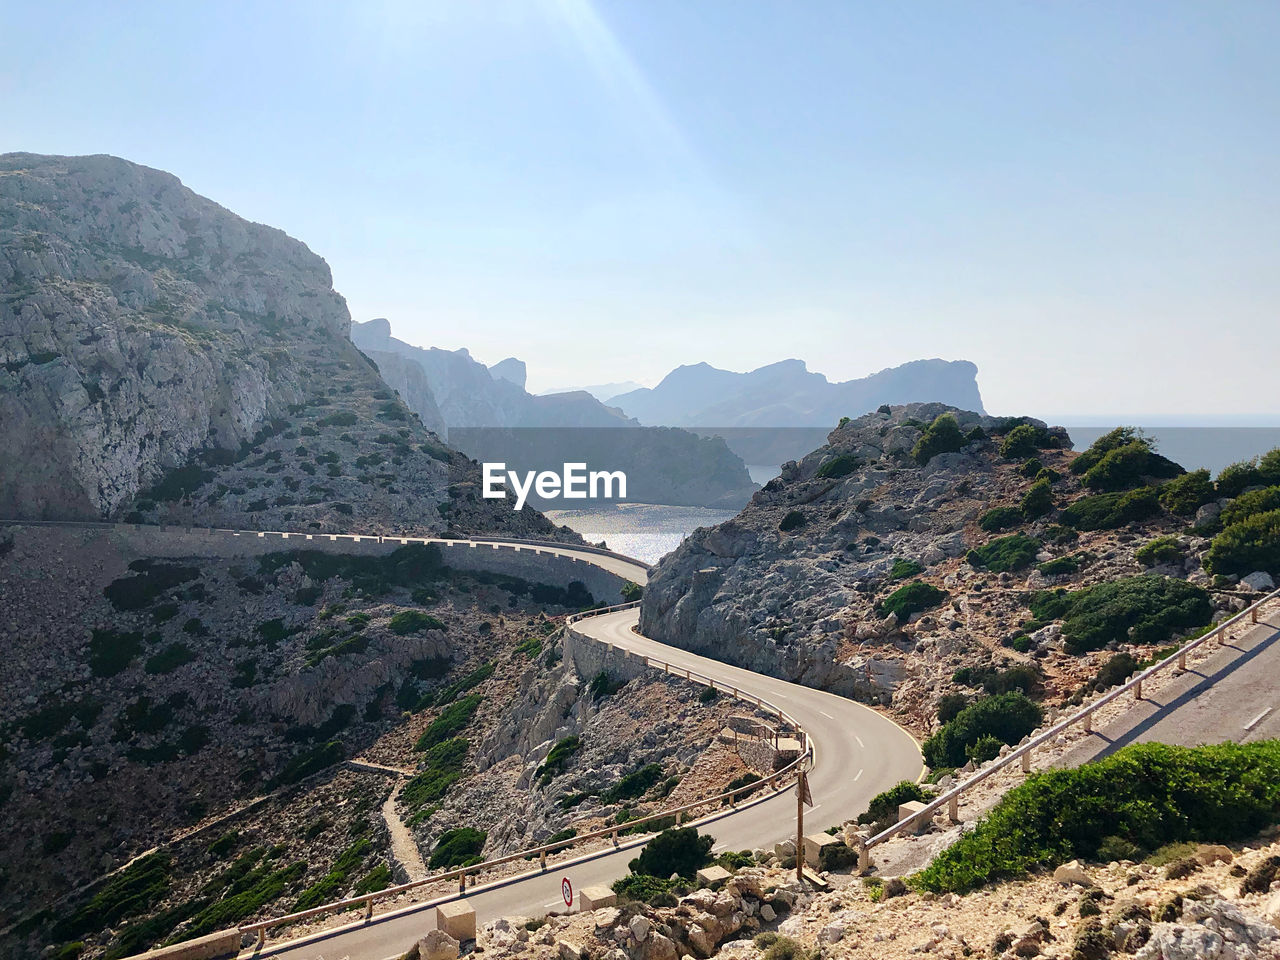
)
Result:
{"points": [[568, 950], [1073, 872], [640, 927], [438, 945], [1258, 582]]}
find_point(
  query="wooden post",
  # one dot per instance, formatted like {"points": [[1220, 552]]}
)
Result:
{"points": [[542, 859], [1182, 661], [1137, 690], [262, 936], [462, 882], [1088, 723], [368, 909], [953, 809], [800, 788], [614, 835], [1026, 762], [1253, 615]]}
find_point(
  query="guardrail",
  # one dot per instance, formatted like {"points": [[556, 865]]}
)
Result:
{"points": [[1082, 716], [776, 781]]}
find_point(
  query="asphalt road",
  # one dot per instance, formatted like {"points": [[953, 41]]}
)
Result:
{"points": [[1230, 696], [858, 753]]}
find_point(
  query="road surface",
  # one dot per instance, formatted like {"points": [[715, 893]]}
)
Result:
{"points": [[1230, 696], [858, 753]]}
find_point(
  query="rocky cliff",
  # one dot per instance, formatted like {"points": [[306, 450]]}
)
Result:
{"points": [[166, 359]]}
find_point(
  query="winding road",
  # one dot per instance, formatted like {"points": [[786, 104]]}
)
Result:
{"points": [[857, 754]]}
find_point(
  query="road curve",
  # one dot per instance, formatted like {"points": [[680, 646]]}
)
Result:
{"points": [[858, 753]]}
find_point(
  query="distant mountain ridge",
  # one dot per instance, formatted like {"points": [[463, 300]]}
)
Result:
{"points": [[601, 391], [487, 413], [788, 394]]}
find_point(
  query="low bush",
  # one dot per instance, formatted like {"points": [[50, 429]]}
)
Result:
{"points": [[1023, 441], [557, 758], [458, 848], [1060, 535], [1030, 468], [1108, 511], [334, 884], [1186, 494], [170, 658], [633, 784], [914, 597], [1000, 518], [1005, 554], [312, 761], [1250, 505], [1060, 566], [1158, 551], [1126, 465], [1115, 671], [442, 767], [951, 704], [1242, 548], [1147, 795], [110, 651], [838, 466], [682, 851], [413, 621], [794, 520], [454, 690], [655, 891], [903, 568], [1038, 500], [151, 579], [1145, 609], [1007, 716], [1119, 437], [883, 808], [941, 436], [452, 719], [631, 592], [603, 685], [1235, 478], [134, 890]]}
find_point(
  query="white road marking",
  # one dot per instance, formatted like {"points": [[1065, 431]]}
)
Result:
{"points": [[856, 776], [860, 743], [1258, 719], [827, 715]]}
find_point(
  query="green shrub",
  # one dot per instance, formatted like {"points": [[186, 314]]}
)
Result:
{"points": [[883, 808], [1242, 548], [642, 888], [170, 658], [1038, 500], [110, 651], [836, 856], [602, 685], [1251, 504], [1005, 554], [1023, 441], [152, 578], [135, 889], [458, 847], [951, 704], [1000, 518], [1158, 551], [334, 884], [1007, 716], [379, 878], [631, 592], [985, 748], [838, 466], [1060, 536], [633, 784], [1146, 795], [914, 597], [1121, 468], [1115, 671], [454, 690], [903, 568], [1030, 468], [1060, 566], [941, 436], [531, 647], [442, 767], [683, 851], [413, 621], [557, 758], [1233, 480], [1145, 609], [312, 761], [1186, 494], [1108, 511], [1119, 437], [411, 566], [452, 719], [792, 521]]}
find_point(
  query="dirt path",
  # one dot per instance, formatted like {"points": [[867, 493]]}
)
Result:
{"points": [[403, 847]]}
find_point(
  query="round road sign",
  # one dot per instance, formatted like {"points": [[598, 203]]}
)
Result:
{"points": [[566, 890]]}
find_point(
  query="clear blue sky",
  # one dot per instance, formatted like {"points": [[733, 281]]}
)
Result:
{"points": [[1080, 197]]}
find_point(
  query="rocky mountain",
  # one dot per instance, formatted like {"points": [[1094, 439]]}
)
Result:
{"points": [[787, 394], [601, 391], [491, 417], [911, 544], [163, 358]]}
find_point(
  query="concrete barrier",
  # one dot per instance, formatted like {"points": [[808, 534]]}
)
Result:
{"points": [[224, 943]]}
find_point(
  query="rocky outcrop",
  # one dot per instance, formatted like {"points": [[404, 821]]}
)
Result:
{"points": [[164, 359]]}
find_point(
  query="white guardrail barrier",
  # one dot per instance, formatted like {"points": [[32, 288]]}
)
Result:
{"points": [[1082, 716]]}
